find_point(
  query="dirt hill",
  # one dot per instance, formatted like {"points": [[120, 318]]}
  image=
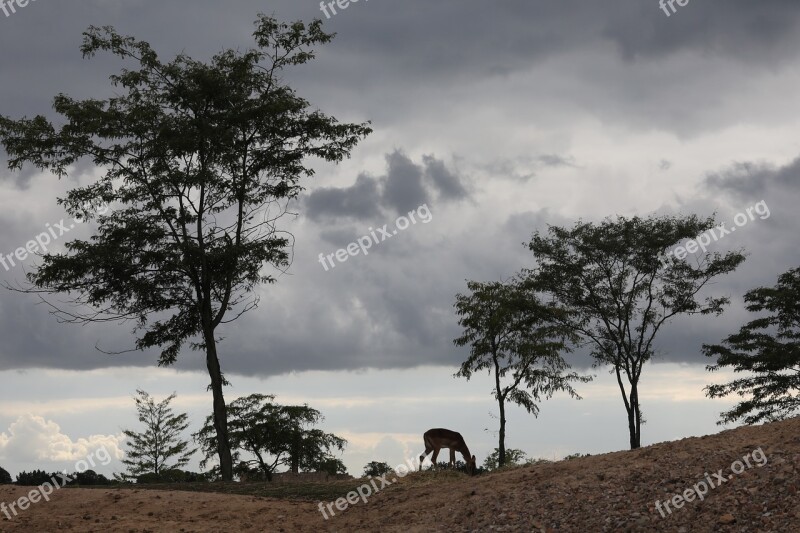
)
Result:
{"points": [[747, 477]]}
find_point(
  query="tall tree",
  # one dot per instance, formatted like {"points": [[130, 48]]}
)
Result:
{"points": [[767, 351], [509, 335], [159, 447], [200, 161], [268, 435], [619, 287]]}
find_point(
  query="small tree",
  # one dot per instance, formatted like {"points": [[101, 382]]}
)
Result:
{"points": [[274, 435], [512, 457], [5, 477], [376, 469], [159, 447], [505, 326], [330, 465], [619, 288], [768, 349]]}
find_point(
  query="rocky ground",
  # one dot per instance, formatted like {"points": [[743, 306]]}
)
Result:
{"points": [[611, 492]]}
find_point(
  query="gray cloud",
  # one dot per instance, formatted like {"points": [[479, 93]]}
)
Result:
{"points": [[747, 179], [361, 200], [524, 168], [527, 81], [405, 186]]}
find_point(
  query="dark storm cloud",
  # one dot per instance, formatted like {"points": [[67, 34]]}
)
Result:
{"points": [[770, 245], [405, 186], [361, 200], [396, 63], [749, 179], [448, 184], [403, 189]]}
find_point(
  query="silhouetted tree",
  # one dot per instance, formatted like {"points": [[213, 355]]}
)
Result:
{"points": [[509, 336], [275, 435], [376, 469], [767, 352], [5, 477], [330, 465], [159, 447], [200, 161], [619, 288]]}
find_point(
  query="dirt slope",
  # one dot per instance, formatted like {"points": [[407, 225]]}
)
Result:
{"points": [[611, 492]]}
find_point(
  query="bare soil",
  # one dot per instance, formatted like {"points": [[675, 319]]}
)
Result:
{"points": [[610, 492]]}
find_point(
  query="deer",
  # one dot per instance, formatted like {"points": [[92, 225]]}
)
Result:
{"points": [[438, 438]]}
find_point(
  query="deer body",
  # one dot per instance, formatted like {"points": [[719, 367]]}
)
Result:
{"points": [[438, 438]]}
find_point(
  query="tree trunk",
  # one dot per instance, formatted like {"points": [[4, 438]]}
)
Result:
{"points": [[501, 447], [635, 419], [295, 458], [220, 411], [502, 455], [632, 408]]}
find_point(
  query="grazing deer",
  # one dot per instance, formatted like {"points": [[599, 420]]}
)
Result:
{"points": [[438, 438]]}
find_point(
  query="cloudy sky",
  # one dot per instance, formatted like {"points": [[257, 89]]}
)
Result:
{"points": [[500, 118]]}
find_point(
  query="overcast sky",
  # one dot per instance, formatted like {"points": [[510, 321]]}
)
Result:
{"points": [[499, 118]]}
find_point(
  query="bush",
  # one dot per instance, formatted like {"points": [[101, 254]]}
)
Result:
{"points": [[459, 466], [88, 478], [376, 469], [576, 456], [174, 475], [33, 478], [514, 457], [148, 478], [195, 477], [5, 477]]}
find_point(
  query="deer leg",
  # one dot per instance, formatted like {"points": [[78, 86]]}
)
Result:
{"points": [[428, 449], [452, 458], [435, 455]]}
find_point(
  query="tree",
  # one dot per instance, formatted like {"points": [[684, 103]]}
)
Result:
{"points": [[275, 435], [767, 350], [5, 477], [377, 469], [159, 447], [512, 457], [200, 161], [330, 465], [619, 288], [505, 326]]}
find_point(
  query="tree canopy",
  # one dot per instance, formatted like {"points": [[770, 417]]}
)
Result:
{"points": [[767, 351], [511, 335], [267, 436], [618, 287]]}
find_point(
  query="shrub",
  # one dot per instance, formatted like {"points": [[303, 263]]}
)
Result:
{"points": [[376, 469], [88, 478], [5, 477], [33, 478], [173, 475]]}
